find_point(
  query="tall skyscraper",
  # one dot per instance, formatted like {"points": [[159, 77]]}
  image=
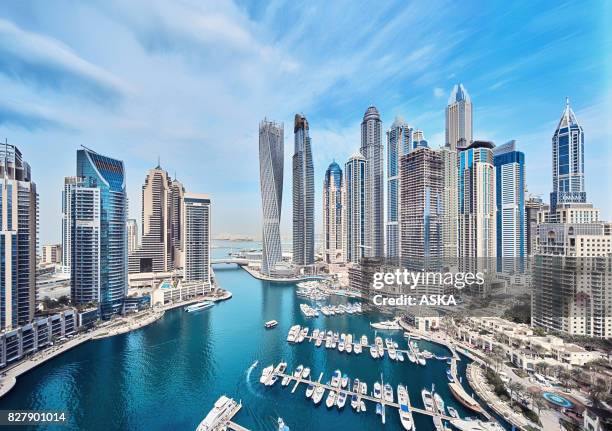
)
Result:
{"points": [[477, 227], [196, 219], [355, 207], [99, 234], [303, 194], [510, 199], [399, 143], [333, 213], [450, 217], [459, 119], [271, 149], [422, 186], [372, 150], [18, 236], [568, 161], [158, 251], [69, 184], [132, 235]]}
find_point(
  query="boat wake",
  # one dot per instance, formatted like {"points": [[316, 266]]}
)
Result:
{"points": [[252, 390]]}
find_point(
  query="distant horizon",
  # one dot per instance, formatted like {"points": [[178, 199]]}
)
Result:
{"points": [[192, 95]]}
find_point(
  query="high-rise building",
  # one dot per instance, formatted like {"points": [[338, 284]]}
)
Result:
{"points": [[69, 184], [533, 205], [99, 234], [459, 119], [158, 251], [51, 254], [450, 217], [510, 199], [477, 206], [568, 161], [271, 150], [399, 143], [176, 226], [303, 194], [372, 150], [18, 236], [196, 219], [355, 207], [422, 186], [132, 235], [333, 213]]}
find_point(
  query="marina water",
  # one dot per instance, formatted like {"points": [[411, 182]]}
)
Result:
{"points": [[168, 374]]}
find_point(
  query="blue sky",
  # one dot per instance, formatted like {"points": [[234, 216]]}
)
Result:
{"points": [[190, 81]]}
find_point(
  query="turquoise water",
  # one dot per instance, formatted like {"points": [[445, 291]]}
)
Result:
{"points": [[557, 399], [168, 375]]}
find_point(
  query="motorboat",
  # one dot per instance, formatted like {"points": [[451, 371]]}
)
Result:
{"points": [[388, 393], [272, 380], [405, 413], [439, 404], [331, 399], [266, 374], [400, 356], [374, 351], [355, 402], [317, 396], [475, 425], [310, 390], [377, 390], [303, 334], [364, 340], [280, 368], [341, 400], [349, 344], [298, 371], [336, 377], [427, 400], [344, 381], [363, 389], [306, 373], [341, 346], [452, 412], [357, 348], [294, 332], [270, 324], [411, 356], [286, 380], [315, 334]]}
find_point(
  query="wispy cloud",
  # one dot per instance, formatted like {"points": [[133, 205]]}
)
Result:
{"points": [[14, 114]]}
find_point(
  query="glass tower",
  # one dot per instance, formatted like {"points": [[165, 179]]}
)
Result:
{"points": [[333, 213], [355, 207], [459, 123], [303, 194]]}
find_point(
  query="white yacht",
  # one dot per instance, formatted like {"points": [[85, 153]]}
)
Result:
{"points": [[317, 396], [331, 399], [374, 351], [427, 400], [388, 393], [306, 373], [336, 377], [377, 388], [310, 390], [465, 425], [439, 404], [199, 306], [266, 374], [298, 371], [341, 400], [364, 340], [405, 413], [216, 418]]}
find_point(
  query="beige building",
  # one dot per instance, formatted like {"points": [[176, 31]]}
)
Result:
{"points": [[52, 254]]}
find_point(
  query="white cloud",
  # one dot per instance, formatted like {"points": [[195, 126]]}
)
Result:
{"points": [[438, 92]]}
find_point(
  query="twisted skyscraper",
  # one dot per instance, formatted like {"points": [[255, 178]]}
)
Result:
{"points": [[372, 151], [271, 147], [303, 194]]}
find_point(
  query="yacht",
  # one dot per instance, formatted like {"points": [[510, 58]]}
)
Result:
{"points": [[298, 371], [357, 348], [374, 351], [344, 381], [427, 400], [439, 404], [389, 325], [341, 346], [349, 343], [272, 380], [355, 401], [303, 334], [286, 380], [411, 356], [310, 390], [364, 340], [280, 368], [405, 413], [317, 396], [198, 306], [331, 399], [336, 377], [341, 400], [388, 393], [400, 356], [218, 415], [270, 324], [363, 388], [477, 425], [266, 374], [377, 388], [453, 412], [293, 333], [305, 373]]}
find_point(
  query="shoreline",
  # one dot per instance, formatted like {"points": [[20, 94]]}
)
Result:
{"points": [[259, 276], [10, 375]]}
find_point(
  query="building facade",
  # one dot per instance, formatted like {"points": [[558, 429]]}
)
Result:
{"points": [[333, 214], [355, 208], [303, 194], [18, 236], [450, 204], [69, 184], [196, 219], [51, 254], [459, 124], [477, 239], [510, 201], [422, 186], [271, 150], [132, 235], [372, 150], [533, 205], [568, 161], [99, 236]]}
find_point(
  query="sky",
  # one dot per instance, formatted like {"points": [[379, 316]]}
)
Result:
{"points": [[188, 82]]}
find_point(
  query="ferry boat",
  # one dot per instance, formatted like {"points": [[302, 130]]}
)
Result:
{"points": [[404, 410], [317, 396], [477, 425], [427, 400], [198, 306], [270, 324], [221, 412]]}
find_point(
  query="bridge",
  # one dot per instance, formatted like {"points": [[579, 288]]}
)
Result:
{"points": [[230, 261]]}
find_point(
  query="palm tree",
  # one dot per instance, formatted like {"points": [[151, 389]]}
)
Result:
{"points": [[514, 387], [539, 403], [576, 374], [596, 393]]}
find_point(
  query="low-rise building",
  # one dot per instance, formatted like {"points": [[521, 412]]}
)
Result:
{"points": [[169, 291]]}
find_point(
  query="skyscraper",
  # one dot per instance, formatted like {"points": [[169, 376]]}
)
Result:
{"points": [[450, 204], [99, 235], [19, 223], [196, 220], [333, 213], [69, 184], [132, 235], [477, 227], [459, 119], [271, 148], [510, 200], [568, 161], [422, 185], [399, 143], [354, 207], [303, 194], [158, 251], [372, 150], [533, 205]]}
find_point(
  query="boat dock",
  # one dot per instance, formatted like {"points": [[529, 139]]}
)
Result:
{"points": [[350, 393]]}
